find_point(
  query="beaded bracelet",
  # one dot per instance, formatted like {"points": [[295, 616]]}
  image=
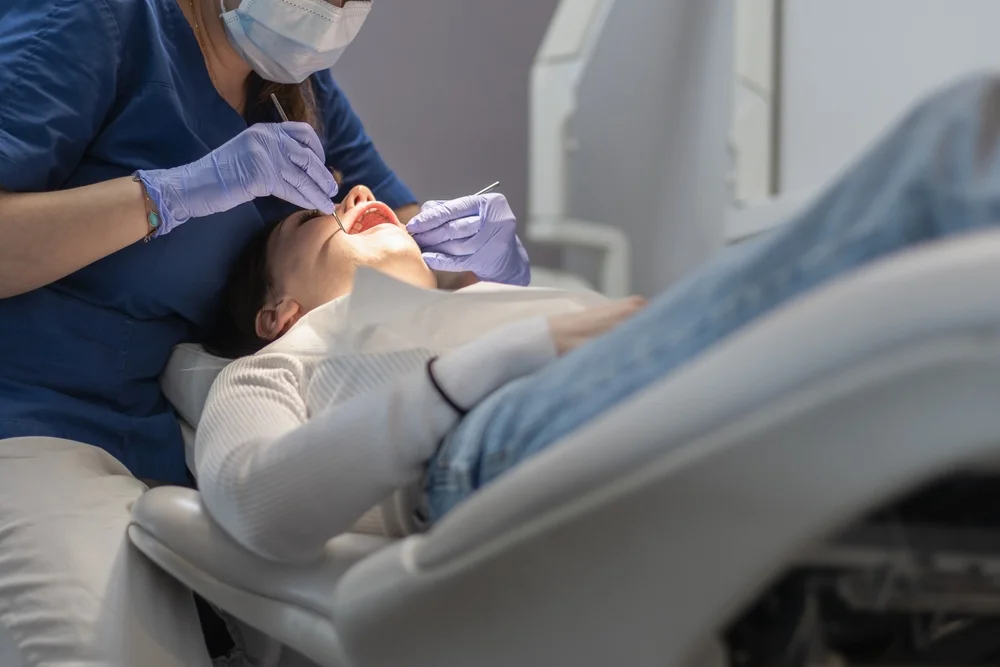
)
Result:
{"points": [[152, 215]]}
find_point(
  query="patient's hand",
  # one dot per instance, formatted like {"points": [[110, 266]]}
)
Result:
{"points": [[571, 331]]}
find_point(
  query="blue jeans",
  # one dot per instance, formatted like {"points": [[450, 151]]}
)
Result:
{"points": [[936, 174]]}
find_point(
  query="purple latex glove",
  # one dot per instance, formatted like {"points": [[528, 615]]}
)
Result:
{"points": [[477, 234], [285, 160]]}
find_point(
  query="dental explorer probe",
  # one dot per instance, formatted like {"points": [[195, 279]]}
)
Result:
{"points": [[277, 105], [284, 118], [486, 189]]}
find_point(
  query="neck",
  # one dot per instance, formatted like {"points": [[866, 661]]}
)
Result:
{"points": [[230, 70], [406, 270]]}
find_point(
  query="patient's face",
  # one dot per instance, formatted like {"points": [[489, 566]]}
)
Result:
{"points": [[312, 262]]}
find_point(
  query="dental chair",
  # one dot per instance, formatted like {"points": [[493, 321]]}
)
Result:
{"points": [[645, 536]]}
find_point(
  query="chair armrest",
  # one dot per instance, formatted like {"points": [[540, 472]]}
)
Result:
{"points": [[288, 602]]}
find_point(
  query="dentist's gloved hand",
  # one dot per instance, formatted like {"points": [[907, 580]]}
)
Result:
{"points": [[281, 159], [476, 234]]}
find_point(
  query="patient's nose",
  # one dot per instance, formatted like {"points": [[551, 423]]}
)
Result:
{"points": [[358, 195]]}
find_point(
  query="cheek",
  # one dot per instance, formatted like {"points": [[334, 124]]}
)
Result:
{"points": [[345, 250], [331, 272], [297, 274]]}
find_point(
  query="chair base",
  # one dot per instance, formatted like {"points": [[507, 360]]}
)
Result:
{"points": [[917, 584]]}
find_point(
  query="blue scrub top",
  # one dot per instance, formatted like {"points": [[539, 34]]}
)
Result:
{"points": [[92, 90]]}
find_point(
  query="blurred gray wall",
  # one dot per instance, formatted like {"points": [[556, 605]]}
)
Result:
{"points": [[655, 109], [442, 86]]}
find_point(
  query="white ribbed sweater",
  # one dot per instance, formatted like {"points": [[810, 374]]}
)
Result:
{"points": [[299, 441]]}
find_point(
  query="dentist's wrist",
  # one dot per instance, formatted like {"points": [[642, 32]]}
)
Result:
{"points": [[151, 211], [158, 185]]}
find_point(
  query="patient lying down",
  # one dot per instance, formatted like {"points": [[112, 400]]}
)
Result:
{"points": [[399, 386], [338, 415]]}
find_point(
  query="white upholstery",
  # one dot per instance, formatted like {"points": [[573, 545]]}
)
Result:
{"points": [[639, 536], [193, 548]]}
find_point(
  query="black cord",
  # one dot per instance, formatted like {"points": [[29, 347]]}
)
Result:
{"points": [[441, 392]]}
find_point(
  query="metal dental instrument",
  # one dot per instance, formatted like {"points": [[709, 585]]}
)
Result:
{"points": [[284, 118], [337, 218], [277, 105], [486, 189]]}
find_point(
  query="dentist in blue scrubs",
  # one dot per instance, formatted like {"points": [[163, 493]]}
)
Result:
{"points": [[139, 149]]}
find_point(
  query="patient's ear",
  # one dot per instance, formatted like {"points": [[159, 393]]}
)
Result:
{"points": [[276, 318]]}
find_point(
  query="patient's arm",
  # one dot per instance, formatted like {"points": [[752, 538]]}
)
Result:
{"points": [[282, 482]]}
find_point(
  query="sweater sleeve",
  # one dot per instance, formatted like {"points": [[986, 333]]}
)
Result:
{"points": [[282, 482]]}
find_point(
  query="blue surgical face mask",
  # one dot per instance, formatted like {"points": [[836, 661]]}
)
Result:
{"points": [[285, 42]]}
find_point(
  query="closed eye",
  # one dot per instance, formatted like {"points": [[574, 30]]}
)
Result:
{"points": [[306, 216], [296, 220]]}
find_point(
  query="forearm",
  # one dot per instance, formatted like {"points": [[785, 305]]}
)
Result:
{"points": [[48, 235]]}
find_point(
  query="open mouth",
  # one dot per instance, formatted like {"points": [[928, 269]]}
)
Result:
{"points": [[367, 216]]}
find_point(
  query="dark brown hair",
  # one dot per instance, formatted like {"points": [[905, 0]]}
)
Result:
{"points": [[234, 333]]}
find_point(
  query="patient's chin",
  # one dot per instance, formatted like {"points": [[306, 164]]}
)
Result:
{"points": [[387, 241]]}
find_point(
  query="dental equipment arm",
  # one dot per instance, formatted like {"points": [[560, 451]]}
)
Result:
{"points": [[282, 482]]}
